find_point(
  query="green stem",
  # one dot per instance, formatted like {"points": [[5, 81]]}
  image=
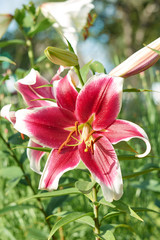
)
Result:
{"points": [[28, 182], [30, 51], [95, 210], [77, 70]]}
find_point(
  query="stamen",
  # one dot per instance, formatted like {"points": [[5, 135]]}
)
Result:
{"points": [[22, 136], [92, 148], [76, 127], [96, 139], [93, 131], [65, 142]]}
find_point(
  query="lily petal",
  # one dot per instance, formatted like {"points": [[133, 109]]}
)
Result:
{"points": [[122, 130], [101, 96], [10, 116], [29, 91], [34, 156], [45, 125], [65, 91], [57, 164], [139, 61], [104, 166]]}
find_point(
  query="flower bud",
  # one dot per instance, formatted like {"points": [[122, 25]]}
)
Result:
{"points": [[5, 20], [61, 57], [139, 61]]}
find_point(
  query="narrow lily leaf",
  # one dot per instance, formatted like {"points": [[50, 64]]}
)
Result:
{"points": [[97, 67], [122, 207], [109, 235], [44, 99], [85, 70], [41, 26], [40, 149], [84, 186], [47, 85], [111, 214], [8, 209], [52, 194], [154, 50], [137, 90], [11, 172], [144, 210], [124, 146], [67, 219], [130, 157], [40, 59], [87, 220], [6, 59], [12, 42], [146, 169]]}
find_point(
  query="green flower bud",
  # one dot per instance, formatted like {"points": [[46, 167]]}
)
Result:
{"points": [[61, 57]]}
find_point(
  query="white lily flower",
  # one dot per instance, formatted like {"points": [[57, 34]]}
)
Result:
{"points": [[70, 17]]}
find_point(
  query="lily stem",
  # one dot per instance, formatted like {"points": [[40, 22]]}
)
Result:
{"points": [[77, 70], [95, 210], [28, 182], [30, 52]]}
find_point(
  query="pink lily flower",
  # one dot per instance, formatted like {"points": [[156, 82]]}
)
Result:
{"points": [[29, 91], [139, 61], [83, 126]]}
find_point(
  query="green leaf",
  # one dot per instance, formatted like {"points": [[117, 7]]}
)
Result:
{"points": [[109, 235], [67, 219], [6, 59], [40, 149], [97, 67], [44, 99], [61, 192], [144, 210], [145, 169], [17, 139], [12, 42], [85, 70], [11, 172], [154, 50], [13, 208], [87, 220], [124, 146], [41, 26], [47, 85], [84, 186], [120, 206], [137, 90], [12, 183], [131, 157]]}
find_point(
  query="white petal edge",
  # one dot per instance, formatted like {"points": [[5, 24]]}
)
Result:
{"points": [[35, 167], [145, 139], [54, 185], [115, 191], [29, 79]]}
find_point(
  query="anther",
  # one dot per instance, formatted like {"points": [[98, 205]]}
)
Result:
{"points": [[76, 127], [92, 148], [96, 139], [93, 131], [22, 136], [65, 142]]}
